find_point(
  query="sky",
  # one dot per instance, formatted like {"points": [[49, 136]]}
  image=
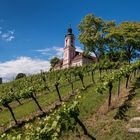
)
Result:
{"points": [[33, 31]]}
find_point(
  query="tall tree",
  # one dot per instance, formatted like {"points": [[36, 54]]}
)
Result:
{"points": [[92, 34], [126, 39]]}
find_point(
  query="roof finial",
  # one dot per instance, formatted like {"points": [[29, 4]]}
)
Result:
{"points": [[69, 29]]}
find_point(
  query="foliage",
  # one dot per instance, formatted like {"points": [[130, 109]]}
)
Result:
{"points": [[124, 39], [29, 87], [54, 61], [108, 40], [20, 75], [51, 127], [92, 34]]}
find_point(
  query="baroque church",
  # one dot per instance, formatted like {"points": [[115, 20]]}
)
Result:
{"points": [[71, 56]]}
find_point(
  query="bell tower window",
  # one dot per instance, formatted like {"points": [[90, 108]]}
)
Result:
{"points": [[71, 41], [66, 43]]}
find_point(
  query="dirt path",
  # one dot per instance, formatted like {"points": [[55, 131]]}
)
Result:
{"points": [[102, 111]]}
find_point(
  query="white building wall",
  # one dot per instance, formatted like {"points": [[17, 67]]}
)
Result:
{"points": [[69, 41], [78, 63]]}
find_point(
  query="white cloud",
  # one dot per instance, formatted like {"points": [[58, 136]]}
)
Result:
{"points": [[78, 49], [51, 52], [11, 32], [55, 51], [0, 30], [9, 69], [92, 54], [59, 51], [44, 51], [8, 36]]}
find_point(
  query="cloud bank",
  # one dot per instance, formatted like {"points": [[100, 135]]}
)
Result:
{"points": [[9, 69]]}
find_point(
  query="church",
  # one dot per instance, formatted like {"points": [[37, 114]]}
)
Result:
{"points": [[72, 57]]}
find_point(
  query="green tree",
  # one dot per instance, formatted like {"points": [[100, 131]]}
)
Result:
{"points": [[54, 61], [92, 34], [20, 75], [126, 39]]}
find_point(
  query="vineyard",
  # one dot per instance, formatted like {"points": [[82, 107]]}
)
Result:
{"points": [[69, 70], [58, 104]]}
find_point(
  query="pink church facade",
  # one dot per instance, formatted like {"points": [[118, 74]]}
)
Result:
{"points": [[71, 56]]}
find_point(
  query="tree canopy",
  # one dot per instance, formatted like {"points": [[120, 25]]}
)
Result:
{"points": [[20, 75], [125, 37], [92, 34], [106, 39], [54, 61]]}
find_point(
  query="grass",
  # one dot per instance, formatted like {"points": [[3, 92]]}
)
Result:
{"points": [[22, 111], [88, 103], [101, 125], [110, 129]]}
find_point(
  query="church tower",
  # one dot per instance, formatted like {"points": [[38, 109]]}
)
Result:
{"points": [[69, 48]]}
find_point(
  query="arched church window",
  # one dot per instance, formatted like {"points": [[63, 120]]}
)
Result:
{"points": [[66, 42]]}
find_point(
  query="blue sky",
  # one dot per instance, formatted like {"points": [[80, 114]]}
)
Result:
{"points": [[33, 30]]}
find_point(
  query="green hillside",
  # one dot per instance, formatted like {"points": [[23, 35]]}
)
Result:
{"points": [[81, 92]]}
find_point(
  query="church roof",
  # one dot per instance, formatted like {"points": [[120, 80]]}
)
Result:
{"points": [[69, 32], [80, 55]]}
